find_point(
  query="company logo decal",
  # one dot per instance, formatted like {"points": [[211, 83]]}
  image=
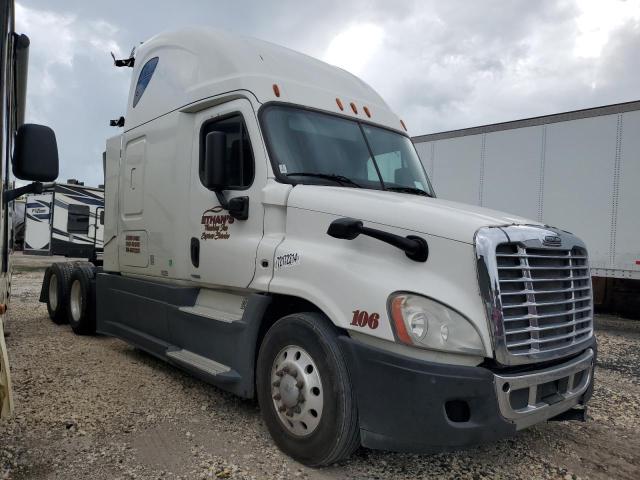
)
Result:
{"points": [[552, 241], [287, 260], [215, 224]]}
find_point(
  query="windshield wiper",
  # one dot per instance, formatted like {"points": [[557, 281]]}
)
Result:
{"points": [[412, 190], [341, 179]]}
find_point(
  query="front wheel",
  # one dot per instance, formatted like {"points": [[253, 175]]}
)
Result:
{"points": [[304, 390]]}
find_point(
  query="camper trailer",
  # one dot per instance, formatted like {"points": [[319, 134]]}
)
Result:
{"points": [[66, 219]]}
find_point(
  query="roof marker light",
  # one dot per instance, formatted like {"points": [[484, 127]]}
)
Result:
{"points": [[403, 125], [366, 110], [353, 107], [276, 90], [339, 102]]}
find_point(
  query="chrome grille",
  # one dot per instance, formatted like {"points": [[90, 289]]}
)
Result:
{"points": [[545, 294]]}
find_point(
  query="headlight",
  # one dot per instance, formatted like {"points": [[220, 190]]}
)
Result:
{"points": [[425, 323]]}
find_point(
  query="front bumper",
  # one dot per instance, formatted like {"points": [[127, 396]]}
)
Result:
{"points": [[411, 405]]}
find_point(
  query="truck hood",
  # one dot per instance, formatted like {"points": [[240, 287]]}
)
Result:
{"points": [[430, 216]]}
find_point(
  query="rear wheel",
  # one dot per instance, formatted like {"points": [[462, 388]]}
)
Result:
{"points": [[58, 283], [82, 310], [304, 390]]}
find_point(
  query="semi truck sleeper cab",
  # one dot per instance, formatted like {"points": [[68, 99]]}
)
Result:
{"points": [[270, 229]]}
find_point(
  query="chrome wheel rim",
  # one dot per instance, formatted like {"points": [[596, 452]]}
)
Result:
{"points": [[296, 390], [75, 301], [53, 291]]}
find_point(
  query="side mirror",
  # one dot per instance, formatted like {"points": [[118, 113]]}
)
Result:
{"points": [[35, 156], [215, 156], [345, 228]]}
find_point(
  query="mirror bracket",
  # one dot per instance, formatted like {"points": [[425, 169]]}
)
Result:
{"points": [[238, 207], [11, 195]]}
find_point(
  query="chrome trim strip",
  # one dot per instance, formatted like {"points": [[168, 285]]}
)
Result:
{"points": [[537, 411], [526, 237]]}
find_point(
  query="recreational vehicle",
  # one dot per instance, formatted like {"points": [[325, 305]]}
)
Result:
{"points": [[29, 150], [66, 219]]}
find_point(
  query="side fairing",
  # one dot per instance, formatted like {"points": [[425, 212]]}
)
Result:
{"points": [[342, 277]]}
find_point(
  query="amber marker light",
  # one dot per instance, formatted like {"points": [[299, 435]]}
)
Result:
{"points": [[354, 108], [398, 321], [276, 90], [366, 110], [339, 102]]}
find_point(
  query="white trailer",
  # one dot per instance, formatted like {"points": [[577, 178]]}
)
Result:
{"points": [[270, 229], [579, 170], [65, 220]]}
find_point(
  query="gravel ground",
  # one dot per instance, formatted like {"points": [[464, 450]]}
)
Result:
{"points": [[94, 407]]}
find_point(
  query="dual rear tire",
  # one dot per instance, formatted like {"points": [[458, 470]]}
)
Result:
{"points": [[70, 296]]}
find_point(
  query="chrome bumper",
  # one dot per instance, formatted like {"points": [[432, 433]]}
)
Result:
{"points": [[527, 399]]}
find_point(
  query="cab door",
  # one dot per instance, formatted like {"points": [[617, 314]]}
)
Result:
{"points": [[223, 249]]}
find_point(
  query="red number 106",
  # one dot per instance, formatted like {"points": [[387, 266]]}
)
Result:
{"points": [[364, 319]]}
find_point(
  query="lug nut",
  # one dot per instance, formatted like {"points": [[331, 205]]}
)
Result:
{"points": [[276, 384], [289, 413], [297, 409], [280, 373], [277, 396], [285, 369], [299, 384], [293, 373], [282, 408], [301, 398]]}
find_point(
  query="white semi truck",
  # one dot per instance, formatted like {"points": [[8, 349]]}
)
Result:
{"points": [[29, 150], [270, 229]]}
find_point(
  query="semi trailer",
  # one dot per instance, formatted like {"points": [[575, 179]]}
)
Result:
{"points": [[270, 229], [577, 169], [65, 219], [30, 151]]}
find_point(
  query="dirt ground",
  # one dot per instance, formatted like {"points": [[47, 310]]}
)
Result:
{"points": [[94, 407]]}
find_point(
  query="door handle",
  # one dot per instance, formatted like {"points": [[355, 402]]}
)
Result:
{"points": [[195, 252], [131, 185]]}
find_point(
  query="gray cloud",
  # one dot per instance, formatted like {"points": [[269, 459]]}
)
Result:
{"points": [[440, 65]]}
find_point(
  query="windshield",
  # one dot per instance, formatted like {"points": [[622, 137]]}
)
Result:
{"points": [[317, 148]]}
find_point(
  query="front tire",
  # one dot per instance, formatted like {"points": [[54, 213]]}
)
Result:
{"points": [[305, 392]]}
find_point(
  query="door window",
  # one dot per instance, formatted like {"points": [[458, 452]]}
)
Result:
{"points": [[239, 153]]}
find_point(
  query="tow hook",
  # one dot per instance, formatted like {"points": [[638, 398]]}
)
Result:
{"points": [[575, 413]]}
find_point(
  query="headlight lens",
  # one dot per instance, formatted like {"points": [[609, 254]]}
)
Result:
{"points": [[425, 323]]}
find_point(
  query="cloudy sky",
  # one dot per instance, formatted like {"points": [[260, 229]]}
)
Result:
{"points": [[440, 65]]}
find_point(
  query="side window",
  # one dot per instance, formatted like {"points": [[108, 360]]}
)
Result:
{"points": [[78, 219], [143, 80], [239, 152]]}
